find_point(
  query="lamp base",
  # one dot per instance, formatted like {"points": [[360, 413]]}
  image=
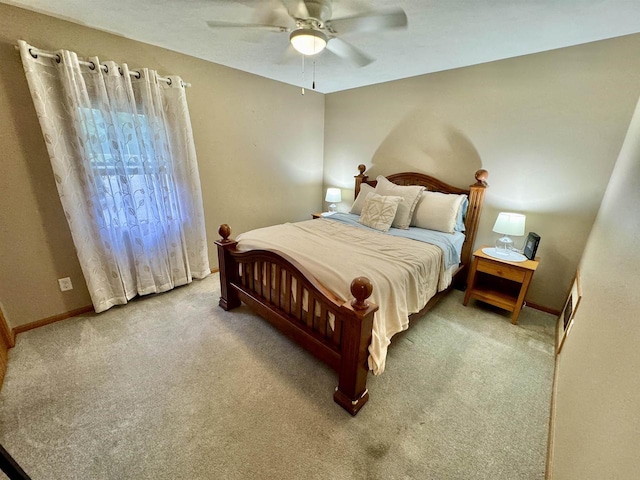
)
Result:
{"points": [[504, 244], [508, 255], [332, 208]]}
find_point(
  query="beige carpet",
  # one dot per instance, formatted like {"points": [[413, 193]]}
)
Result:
{"points": [[173, 387]]}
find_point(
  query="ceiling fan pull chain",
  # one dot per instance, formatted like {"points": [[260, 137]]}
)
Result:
{"points": [[303, 74], [313, 84]]}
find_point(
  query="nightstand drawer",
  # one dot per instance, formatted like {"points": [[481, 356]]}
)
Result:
{"points": [[501, 270]]}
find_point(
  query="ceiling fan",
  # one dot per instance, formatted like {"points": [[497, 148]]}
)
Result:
{"points": [[312, 29]]}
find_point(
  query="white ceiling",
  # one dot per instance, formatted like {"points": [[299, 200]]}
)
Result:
{"points": [[442, 34]]}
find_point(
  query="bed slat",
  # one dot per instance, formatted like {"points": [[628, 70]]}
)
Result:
{"points": [[298, 300], [267, 284], [310, 309], [287, 292], [322, 321], [278, 291]]}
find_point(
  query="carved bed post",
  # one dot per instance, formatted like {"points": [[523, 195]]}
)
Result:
{"points": [[228, 269], [360, 179], [476, 198], [351, 392]]}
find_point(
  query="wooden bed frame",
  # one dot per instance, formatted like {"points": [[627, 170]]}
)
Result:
{"points": [[263, 280]]}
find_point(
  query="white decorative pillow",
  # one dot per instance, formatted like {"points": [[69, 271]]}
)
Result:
{"points": [[379, 211], [437, 211], [411, 195], [362, 195]]}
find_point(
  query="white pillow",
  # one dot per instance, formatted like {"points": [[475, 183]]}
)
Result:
{"points": [[379, 211], [437, 211], [410, 193], [362, 195]]}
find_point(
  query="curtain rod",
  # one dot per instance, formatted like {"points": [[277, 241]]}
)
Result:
{"points": [[36, 51]]}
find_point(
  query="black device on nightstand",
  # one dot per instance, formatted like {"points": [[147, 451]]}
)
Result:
{"points": [[531, 245]]}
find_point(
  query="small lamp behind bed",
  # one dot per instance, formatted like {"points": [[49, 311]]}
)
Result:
{"points": [[334, 195]]}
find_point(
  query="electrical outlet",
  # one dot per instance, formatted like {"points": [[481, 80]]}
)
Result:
{"points": [[65, 284]]}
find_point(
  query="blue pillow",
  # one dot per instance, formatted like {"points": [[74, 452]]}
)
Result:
{"points": [[462, 215]]}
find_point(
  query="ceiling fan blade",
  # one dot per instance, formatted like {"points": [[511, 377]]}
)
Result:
{"points": [[268, 13], [274, 28], [347, 51], [296, 8], [368, 22]]}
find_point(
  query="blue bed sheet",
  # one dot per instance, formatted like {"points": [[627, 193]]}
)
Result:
{"points": [[449, 243]]}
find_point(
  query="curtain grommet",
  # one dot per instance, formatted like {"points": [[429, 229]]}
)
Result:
{"points": [[169, 82], [92, 66], [34, 55], [58, 59]]}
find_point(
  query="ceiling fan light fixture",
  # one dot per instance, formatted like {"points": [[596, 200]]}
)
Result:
{"points": [[308, 41]]}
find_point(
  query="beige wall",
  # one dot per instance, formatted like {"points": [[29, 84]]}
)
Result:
{"points": [[259, 145], [597, 422], [548, 128]]}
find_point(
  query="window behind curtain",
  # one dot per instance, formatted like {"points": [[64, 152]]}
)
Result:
{"points": [[124, 170]]}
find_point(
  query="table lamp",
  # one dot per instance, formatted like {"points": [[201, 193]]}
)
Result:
{"points": [[507, 224], [334, 195]]}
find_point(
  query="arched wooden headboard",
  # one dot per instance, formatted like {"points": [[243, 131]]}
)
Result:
{"points": [[475, 194]]}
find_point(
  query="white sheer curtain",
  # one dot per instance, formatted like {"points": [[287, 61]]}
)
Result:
{"points": [[125, 166]]}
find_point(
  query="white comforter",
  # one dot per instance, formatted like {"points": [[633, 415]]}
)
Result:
{"points": [[405, 273]]}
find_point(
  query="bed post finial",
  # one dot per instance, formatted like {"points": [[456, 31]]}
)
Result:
{"points": [[225, 232], [481, 178], [360, 179], [361, 289]]}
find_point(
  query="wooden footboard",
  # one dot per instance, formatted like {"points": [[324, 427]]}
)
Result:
{"points": [[283, 292], [337, 332]]}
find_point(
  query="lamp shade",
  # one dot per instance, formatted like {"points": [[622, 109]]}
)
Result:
{"points": [[334, 195], [308, 41], [510, 224]]}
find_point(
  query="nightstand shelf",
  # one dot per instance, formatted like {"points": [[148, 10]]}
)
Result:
{"points": [[500, 283], [495, 297]]}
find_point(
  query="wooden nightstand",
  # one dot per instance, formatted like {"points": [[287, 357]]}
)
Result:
{"points": [[321, 214], [499, 283]]}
